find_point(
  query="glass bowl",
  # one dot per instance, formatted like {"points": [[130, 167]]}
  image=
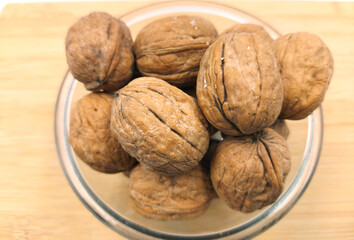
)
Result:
{"points": [[106, 195]]}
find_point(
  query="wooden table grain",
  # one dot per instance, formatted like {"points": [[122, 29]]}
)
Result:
{"points": [[36, 201]]}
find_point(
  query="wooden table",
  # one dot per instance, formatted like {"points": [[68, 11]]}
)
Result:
{"points": [[36, 202]]}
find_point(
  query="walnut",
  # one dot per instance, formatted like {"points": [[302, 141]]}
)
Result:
{"points": [[248, 172], [281, 127], [306, 67], [91, 138], [248, 28], [238, 87], [161, 197], [159, 125], [171, 48], [99, 51]]}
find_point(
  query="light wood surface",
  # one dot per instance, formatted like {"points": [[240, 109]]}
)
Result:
{"points": [[36, 202]]}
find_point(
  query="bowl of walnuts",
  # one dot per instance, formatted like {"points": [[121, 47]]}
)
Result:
{"points": [[190, 120]]}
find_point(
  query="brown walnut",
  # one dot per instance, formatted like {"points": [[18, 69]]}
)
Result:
{"points": [[91, 137], [161, 197], [248, 28], [281, 127], [306, 67], [239, 88], [248, 172], [171, 48], [99, 51], [160, 125]]}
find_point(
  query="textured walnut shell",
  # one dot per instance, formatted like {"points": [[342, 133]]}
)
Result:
{"points": [[171, 48], [238, 87], [161, 197], [91, 137], [248, 172], [281, 127], [306, 67], [159, 125], [248, 28], [99, 51]]}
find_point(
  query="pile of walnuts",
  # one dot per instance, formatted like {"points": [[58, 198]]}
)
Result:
{"points": [[156, 102]]}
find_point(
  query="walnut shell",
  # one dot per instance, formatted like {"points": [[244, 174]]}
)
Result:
{"points": [[91, 137], [159, 125], [99, 51], [306, 67], [171, 48], [160, 197], [248, 28], [248, 172], [281, 127], [238, 87]]}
